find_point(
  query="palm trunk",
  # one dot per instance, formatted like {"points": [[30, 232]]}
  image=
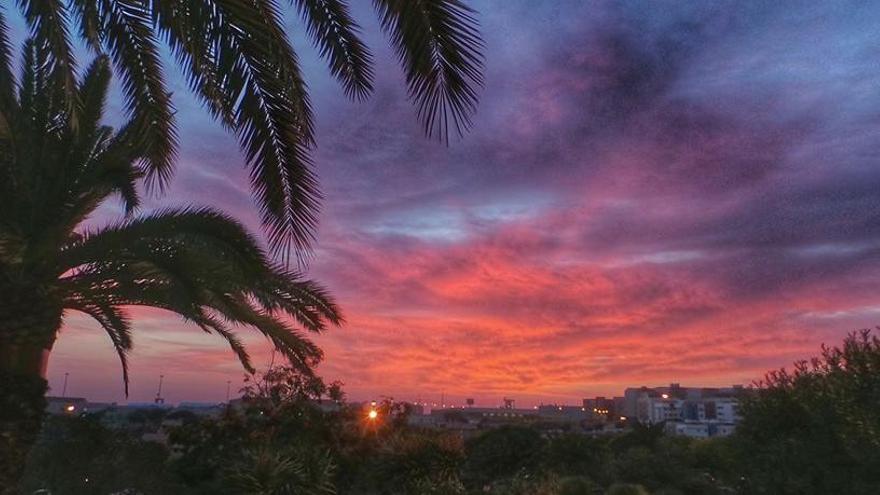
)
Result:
{"points": [[28, 323], [22, 404]]}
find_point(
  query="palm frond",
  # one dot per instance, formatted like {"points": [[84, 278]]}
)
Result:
{"points": [[194, 34], [337, 37], [220, 236], [128, 32], [86, 14], [240, 62], [115, 323], [276, 141], [301, 352], [8, 109], [92, 92], [306, 301], [439, 45], [209, 324], [33, 95], [48, 23], [7, 78], [201, 265]]}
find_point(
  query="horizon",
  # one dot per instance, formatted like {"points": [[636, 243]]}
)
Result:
{"points": [[649, 192], [443, 402]]}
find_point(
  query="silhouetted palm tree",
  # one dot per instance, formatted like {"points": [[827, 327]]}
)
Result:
{"points": [[239, 61], [57, 165]]}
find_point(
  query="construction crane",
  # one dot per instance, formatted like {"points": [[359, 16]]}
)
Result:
{"points": [[159, 399]]}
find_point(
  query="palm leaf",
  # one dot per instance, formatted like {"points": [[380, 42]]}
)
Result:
{"points": [[7, 78], [439, 45], [115, 323], [48, 22], [128, 32], [337, 37], [203, 266], [239, 61]]}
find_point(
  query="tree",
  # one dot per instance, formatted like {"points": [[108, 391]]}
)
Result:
{"points": [[816, 429], [57, 165], [285, 471], [79, 456], [239, 61], [276, 440], [575, 454], [417, 463], [503, 452]]}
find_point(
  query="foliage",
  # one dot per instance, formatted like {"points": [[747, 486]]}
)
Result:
{"points": [[287, 471], [816, 429], [575, 455], [281, 440], [238, 59], [57, 166], [579, 485], [627, 489], [278, 435], [502, 452], [417, 462], [79, 456]]}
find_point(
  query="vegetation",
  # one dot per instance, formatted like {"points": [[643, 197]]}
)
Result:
{"points": [[816, 429], [239, 61], [57, 166], [799, 434]]}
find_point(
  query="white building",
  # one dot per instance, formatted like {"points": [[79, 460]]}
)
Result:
{"points": [[693, 412]]}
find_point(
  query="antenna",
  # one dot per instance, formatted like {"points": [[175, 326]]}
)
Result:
{"points": [[159, 399], [64, 388]]}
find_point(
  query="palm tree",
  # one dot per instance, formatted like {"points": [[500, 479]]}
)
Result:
{"points": [[239, 61], [57, 165]]}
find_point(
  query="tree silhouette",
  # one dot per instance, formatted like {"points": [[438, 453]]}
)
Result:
{"points": [[57, 165]]}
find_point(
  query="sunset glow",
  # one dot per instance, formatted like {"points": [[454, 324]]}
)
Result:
{"points": [[649, 195]]}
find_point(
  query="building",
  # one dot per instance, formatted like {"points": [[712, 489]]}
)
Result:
{"points": [[605, 409], [563, 414], [546, 417], [690, 411]]}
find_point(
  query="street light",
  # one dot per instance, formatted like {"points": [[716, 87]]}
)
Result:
{"points": [[70, 408], [373, 414]]}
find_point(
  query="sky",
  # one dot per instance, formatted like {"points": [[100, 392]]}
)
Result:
{"points": [[652, 192]]}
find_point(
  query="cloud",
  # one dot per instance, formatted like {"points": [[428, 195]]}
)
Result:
{"points": [[652, 193]]}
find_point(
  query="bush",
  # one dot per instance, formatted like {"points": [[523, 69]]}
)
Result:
{"points": [[503, 452], [627, 489], [816, 429], [578, 485]]}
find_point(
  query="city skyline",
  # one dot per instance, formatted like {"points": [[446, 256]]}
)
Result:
{"points": [[645, 195]]}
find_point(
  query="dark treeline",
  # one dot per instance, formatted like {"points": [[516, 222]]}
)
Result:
{"points": [[812, 430]]}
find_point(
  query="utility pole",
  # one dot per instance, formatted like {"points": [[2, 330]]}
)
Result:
{"points": [[64, 388], [228, 383]]}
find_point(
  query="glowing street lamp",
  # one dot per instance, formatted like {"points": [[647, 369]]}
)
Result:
{"points": [[373, 414], [70, 408]]}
